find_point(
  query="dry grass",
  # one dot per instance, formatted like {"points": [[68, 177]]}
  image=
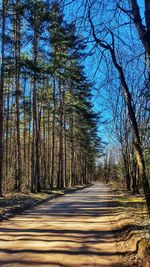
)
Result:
{"points": [[17, 203], [133, 218]]}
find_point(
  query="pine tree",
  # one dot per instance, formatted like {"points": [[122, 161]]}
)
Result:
{"points": [[2, 72]]}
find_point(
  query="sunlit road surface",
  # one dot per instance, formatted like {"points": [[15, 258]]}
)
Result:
{"points": [[74, 230]]}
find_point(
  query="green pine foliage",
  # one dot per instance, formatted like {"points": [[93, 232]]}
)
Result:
{"points": [[58, 140]]}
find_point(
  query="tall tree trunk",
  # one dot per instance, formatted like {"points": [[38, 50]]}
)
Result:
{"points": [[17, 185], [7, 134], [38, 152], [49, 150], [2, 91], [72, 154], [127, 173], [72, 140], [30, 145], [24, 130], [34, 122], [143, 31], [53, 133], [65, 152], [60, 178]]}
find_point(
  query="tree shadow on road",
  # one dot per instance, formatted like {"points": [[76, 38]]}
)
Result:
{"points": [[49, 234]]}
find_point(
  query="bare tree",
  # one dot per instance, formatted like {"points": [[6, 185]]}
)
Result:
{"points": [[110, 47]]}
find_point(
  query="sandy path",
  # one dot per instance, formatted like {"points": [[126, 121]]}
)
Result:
{"points": [[73, 230]]}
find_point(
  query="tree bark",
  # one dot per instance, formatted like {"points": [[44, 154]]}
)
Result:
{"points": [[143, 31], [60, 178], [34, 121], [17, 186], [53, 134], [2, 92]]}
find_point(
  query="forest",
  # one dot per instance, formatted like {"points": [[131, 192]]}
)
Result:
{"points": [[48, 129], [50, 133], [75, 114]]}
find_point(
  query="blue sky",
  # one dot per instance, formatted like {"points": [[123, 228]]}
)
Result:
{"points": [[76, 9], [128, 49]]}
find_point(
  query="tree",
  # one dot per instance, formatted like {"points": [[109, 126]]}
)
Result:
{"points": [[17, 48], [128, 100], [2, 71]]}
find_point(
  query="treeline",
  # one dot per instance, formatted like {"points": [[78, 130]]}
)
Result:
{"points": [[120, 163], [48, 130], [119, 167]]}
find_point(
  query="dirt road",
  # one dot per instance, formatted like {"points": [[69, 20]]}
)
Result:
{"points": [[74, 230]]}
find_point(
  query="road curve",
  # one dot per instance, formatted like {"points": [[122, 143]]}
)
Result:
{"points": [[71, 231]]}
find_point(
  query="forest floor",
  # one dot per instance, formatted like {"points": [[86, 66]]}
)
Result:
{"points": [[15, 203], [133, 239], [93, 227]]}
